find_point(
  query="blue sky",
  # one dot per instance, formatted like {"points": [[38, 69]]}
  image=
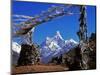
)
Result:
{"points": [[67, 25]]}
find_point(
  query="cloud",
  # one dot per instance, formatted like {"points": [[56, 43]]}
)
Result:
{"points": [[22, 16], [19, 19]]}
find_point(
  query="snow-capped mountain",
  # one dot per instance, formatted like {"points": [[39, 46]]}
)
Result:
{"points": [[55, 42], [55, 46], [16, 48]]}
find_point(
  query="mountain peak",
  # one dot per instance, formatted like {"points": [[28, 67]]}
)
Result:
{"points": [[58, 35], [58, 32], [73, 41]]}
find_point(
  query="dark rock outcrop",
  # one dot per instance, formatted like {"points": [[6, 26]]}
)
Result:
{"points": [[72, 59], [28, 55]]}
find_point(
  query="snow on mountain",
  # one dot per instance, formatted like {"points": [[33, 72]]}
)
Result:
{"points": [[55, 46], [58, 36], [53, 43], [16, 48], [58, 39], [71, 41]]}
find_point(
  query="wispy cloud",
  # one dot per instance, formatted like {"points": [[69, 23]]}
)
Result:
{"points": [[20, 20], [22, 16]]}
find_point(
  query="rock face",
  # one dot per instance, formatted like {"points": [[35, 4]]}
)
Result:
{"points": [[72, 59], [28, 55], [92, 54]]}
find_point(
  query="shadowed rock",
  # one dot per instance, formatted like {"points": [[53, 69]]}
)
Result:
{"points": [[28, 55]]}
